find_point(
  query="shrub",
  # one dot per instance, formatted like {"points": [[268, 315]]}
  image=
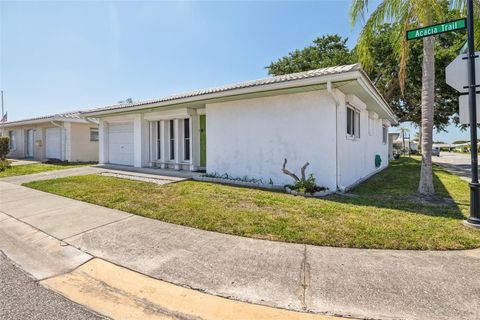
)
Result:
{"points": [[4, 164], [4, 147], [308, 185]]}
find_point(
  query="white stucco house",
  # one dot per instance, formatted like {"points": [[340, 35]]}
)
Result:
{"points": [[65, 136], [334, 118]]}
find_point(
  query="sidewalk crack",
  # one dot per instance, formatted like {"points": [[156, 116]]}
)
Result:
{"points": [[302, 290]]}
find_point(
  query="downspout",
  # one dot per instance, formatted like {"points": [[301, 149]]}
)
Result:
{"points": [[62, 140], [331, 91]]}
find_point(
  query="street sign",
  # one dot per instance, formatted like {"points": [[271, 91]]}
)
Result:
{"points": [[437, 29], [456, 73], [464, 108]]}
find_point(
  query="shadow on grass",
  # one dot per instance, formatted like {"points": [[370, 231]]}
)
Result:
{"points": [[396, 188]]}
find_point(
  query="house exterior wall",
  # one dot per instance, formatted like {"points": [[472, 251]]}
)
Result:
{"points": [[356, 157], [145, 128], [75, 141], [81, 149], [253, 137], [38, 137]]}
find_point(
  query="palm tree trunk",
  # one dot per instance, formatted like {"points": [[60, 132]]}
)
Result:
{"points": [[425, 186]]}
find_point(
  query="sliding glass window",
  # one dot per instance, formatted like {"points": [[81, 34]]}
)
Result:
{"points": [[172, 139], [159, 141], [186, 139]]}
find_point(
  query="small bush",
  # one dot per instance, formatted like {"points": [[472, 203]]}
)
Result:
{"points": [[308, 185], [4, 164], [4, 147]]}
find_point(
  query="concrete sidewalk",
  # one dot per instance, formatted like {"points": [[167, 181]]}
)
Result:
{"points": [[121, 171], [378, 284]]}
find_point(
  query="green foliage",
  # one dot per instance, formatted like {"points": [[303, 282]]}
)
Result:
{"points": [[399, 77], [326, 51], [4, 147], [308, 185], [5, 164], [331, 50]]}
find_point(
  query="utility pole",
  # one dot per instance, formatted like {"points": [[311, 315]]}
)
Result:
{"points": [[474, 219]]}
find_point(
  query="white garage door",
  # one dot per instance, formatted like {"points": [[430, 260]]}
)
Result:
{"points": [[120, 143], [53, 143]]}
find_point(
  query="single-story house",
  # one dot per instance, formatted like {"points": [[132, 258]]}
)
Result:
{"points": [[66, 137], [334, 118]]}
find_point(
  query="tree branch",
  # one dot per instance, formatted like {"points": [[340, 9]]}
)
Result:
{"points": [[293, 175], [303, 170]]}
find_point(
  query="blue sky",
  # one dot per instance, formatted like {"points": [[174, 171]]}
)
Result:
{"points": [[63, 56]]}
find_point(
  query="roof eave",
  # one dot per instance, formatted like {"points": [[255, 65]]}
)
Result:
{"points": [[367, 84], [43, 120], [349, 75]]}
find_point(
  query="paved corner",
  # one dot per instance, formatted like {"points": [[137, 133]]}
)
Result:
{"points": [[23, 298]]}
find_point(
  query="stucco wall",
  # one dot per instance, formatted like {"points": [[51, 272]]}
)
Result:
{"points": [[75, 141], [252, 137], [38, 137], [356, 157], [81, 149]]}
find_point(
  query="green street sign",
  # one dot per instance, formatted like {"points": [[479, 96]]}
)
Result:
{"points": [[437, 29]]}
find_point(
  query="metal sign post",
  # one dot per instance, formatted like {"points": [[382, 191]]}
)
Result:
{"points": [[474, 219]]}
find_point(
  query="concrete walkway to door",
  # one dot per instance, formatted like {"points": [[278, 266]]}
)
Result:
{"points": [[377, 284]]}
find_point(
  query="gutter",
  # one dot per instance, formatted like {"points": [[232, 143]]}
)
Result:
{"points": [[332, 93]]}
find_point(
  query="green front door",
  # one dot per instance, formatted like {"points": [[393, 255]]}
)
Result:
{"points": [[203, 141]]}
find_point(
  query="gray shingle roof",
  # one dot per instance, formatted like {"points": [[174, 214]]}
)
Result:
{"points": [[58, 116], [239, 85]]}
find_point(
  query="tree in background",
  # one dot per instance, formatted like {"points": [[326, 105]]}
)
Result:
{"points": [[326, 51], [385, 73]]}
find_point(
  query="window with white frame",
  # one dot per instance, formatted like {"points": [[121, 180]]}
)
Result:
{"points": [[186, 139], [13, 141], [371, 126], [353, 123], [172, 139], [93, 134], [159, 140], [385, 134]]}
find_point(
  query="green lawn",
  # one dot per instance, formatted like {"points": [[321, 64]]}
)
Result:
{"points": [[35, 168], [384, 212]]}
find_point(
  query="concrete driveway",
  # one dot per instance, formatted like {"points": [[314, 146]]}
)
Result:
{"points": [[456, 163], [373, 284]]}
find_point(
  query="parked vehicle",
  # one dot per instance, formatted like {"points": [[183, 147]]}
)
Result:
{"points": [[436, 151]]}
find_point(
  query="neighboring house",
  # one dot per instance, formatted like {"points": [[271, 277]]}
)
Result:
{"points": [[67, 137], [334, 118], [391, 139], [401, 143]]}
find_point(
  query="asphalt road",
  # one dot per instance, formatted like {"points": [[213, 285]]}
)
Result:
{"points": [[457, 163], [23, 298]]}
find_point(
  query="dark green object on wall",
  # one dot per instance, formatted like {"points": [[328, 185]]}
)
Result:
{"points": [[203, 140], [378, 160]]}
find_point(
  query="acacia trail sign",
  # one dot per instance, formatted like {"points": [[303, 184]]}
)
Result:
{"points": [[461, 84], [428, 31]]}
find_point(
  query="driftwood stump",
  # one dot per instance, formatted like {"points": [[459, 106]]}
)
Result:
{"points": [[293, 175]]}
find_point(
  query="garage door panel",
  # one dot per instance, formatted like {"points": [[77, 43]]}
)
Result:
{"points": [[53, 143], [120, 143]]}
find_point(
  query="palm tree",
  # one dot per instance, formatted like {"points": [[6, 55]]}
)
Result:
{"points": [[405, 15]]}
